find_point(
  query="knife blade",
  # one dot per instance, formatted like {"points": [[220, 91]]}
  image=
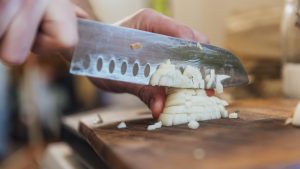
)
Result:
{"points": [[130, 55]]}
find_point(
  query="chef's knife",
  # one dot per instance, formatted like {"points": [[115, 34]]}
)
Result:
{"points": [[130, 55]]}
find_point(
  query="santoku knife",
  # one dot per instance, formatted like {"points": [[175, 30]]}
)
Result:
{"points": [[130, 55]]}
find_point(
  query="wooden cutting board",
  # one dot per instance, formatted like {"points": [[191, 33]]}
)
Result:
{"points": [[258, 139]]}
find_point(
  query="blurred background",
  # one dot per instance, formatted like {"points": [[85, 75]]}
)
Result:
{"points": [[35, 96]]}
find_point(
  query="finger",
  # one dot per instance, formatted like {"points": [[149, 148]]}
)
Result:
{"points": [[58, 31], [157, 102], [153, 97], [149, 20], [8, 9], [159, 23], [81, 13], [18, 39], [200, 37]]}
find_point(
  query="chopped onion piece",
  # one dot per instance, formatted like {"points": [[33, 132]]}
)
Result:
{"points": [[184, 105], [199, 46], [191, 103], [122, 125], [296, 117], [233, 115], [193, 124], [288, 121], [155, 126]]}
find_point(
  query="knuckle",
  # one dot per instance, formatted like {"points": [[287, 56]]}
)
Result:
{"points": [[187, 32], [145, 11], [11, 59], [66, 42]]}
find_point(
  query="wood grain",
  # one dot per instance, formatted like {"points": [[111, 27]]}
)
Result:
{"points": [[258, 139]]}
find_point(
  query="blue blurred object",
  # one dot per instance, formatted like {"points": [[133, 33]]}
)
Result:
{"points": [[4, 114]]}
